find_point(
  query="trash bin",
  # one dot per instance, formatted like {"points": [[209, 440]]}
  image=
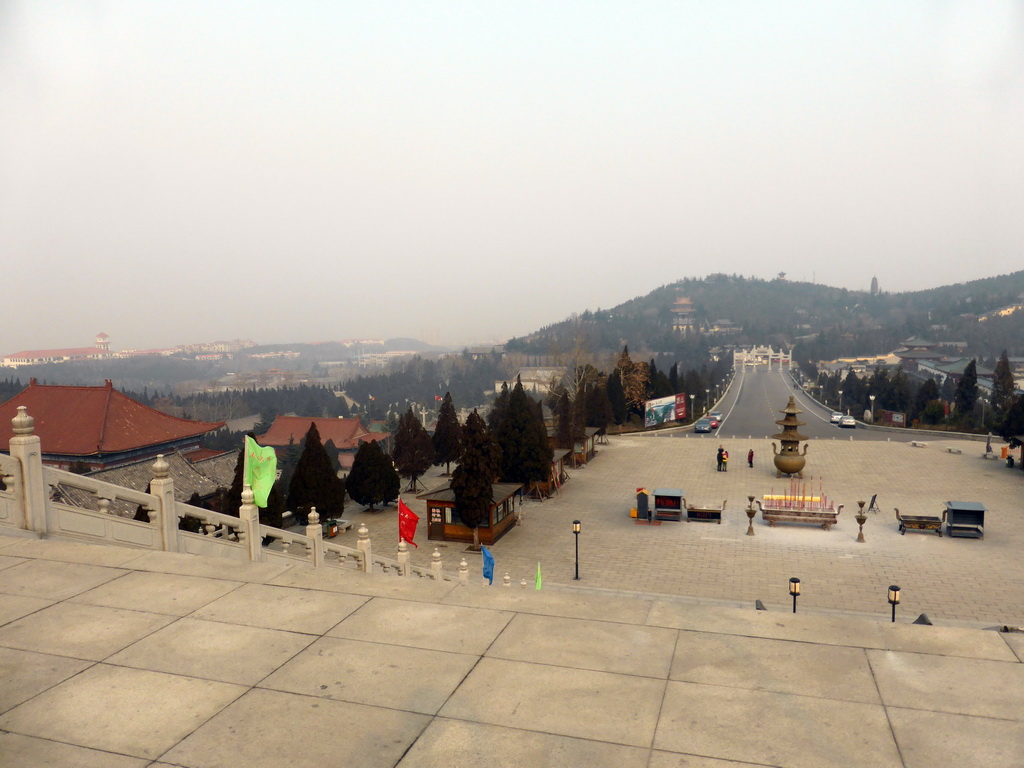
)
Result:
{"points": [[1009, 461], [331, 529]]}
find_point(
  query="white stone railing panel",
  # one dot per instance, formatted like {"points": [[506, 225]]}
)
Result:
{"points": [[214, 544], [11, 515], [340, 556], [87, 525], [283, 545], [98, 488]]}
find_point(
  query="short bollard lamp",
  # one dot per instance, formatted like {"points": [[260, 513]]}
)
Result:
{"points": [[794, 590], [894, 600], [576, 535]]}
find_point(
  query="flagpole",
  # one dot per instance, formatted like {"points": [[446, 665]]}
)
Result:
{"points": [[245, 460]]}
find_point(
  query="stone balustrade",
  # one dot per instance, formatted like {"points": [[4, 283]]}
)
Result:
{"points": [[47, 502]]}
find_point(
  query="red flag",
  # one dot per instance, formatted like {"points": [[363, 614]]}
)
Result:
{"points": [[407, 521], [438, 397]]}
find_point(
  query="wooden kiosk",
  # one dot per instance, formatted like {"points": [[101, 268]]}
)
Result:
{"points": [[443, 522]]}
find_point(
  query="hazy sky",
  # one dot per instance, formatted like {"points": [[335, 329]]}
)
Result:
{"points": [[181, 171]]}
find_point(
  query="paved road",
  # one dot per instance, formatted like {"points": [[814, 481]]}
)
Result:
{"points": [[755, 401]]}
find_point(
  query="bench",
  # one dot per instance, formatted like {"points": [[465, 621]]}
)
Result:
{"points": [[953, 450], [918, 444], [825, 518], [990, 456], [920, 523]]}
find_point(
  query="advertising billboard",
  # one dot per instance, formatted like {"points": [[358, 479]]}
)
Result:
{"points": [[664, 409]]}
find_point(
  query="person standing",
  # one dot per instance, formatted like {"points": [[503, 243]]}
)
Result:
{"points": [[725, 461], [721, 452], [750, 458]]}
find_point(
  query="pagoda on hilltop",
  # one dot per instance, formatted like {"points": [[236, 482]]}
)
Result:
{"points": [[789, 460]]}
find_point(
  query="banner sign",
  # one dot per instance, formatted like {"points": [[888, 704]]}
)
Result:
{"points": [[664, 409]]}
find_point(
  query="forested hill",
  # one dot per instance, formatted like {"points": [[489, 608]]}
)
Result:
{"points": [[820, 320]]}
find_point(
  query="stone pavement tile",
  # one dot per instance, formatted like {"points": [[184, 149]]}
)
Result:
{"points": [[208, 567], [382, 675], [826, 630], [270, 729], [24, 674], [782, 666], [630, 649], [7, 562], [929, 739], [53, 580], [13, 607], [230, 653], [294, 610], [358, 583], [571, 605], [676, 760], [774, 728], [20, 751], [946, 684], [7, 540], [622, 709], [157, 593], [129, 711], [74, 552], [458, 744], [946, 641], [424, 625], [1015, 642], [81, 631]]}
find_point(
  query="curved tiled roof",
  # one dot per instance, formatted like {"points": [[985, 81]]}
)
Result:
{"points": [[84, 421], [346, 434]]}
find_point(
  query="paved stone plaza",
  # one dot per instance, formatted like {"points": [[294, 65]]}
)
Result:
{"points": [[979, 582], [116, 658]]}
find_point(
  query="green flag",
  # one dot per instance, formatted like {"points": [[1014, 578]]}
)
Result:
{"points": [[537, 582], [260, 470]]}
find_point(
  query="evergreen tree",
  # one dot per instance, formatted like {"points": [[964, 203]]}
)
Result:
{"points": [[563, 422], [967, 391], [498, 410], [473, 478], [526, 453], [315, 482], [926, 393], [673, 378], [333, 453], [1003, 385], [373, 479], [1012, 427], [447, 435], [598, 407], [616, 397], [414, 450]]}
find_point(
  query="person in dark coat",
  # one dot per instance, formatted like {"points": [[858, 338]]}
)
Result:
{"points": [[721, 452], [750, 458]]}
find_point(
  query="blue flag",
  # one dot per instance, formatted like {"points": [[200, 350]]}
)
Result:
{"points": [[488, 565]]}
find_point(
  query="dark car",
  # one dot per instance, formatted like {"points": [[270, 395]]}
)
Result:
{"points": [[702, 425]]}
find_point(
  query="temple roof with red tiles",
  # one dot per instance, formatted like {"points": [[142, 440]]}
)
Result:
{"points": [[346, 434], [85, 421]]}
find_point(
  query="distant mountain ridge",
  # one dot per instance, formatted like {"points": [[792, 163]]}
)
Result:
{"points": [[818, 320]]}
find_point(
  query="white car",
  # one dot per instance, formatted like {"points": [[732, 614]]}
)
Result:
{"points": [[836, 417], [847, 421]]}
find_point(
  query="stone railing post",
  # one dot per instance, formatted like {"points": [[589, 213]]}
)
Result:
{"points": [[249, 528], [506, 581], [403, 558], [464, 572], [31, 489], [166, 512], [315, 531], [436, 565], [363, 545]]}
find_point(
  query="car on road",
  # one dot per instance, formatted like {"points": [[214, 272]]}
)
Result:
{"points": [[836, 417], [715, 415], [714, 423], [847, 421], [702, 425]]}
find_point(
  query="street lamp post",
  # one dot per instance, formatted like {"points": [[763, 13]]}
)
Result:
{"points": [[707, 400], [576, 535], [840, 400], [794, 590], [692, 414], [894, 600], [872, 399]]}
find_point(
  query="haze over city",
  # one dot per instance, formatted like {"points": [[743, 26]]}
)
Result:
{"points": [[181, 172]]}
